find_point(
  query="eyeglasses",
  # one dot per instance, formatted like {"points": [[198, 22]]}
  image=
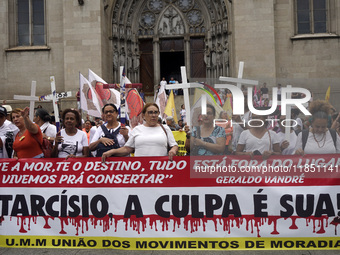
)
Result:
{"points": [[153, 112], [107, 112]]}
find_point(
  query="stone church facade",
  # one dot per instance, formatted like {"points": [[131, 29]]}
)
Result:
{"points": [[280, 41]]}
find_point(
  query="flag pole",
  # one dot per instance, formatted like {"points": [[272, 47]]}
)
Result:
{"points": [[80, 109], [122, 112], [55, 103]]}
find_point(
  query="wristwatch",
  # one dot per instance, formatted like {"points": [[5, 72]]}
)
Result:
{"points": [[48, 138]]}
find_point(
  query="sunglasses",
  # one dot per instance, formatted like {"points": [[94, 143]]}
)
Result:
{"points": [[107, 112], [153, 112]]}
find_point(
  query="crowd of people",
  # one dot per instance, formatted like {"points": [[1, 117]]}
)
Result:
{"points": [[251, 134], [22, 138]]}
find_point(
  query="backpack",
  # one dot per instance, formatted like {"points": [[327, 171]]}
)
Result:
{"points": [[101, 148], [9, 142], [46, 146], [305, 134]]}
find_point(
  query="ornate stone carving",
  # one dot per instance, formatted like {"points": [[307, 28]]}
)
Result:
{"points": [[226, 53], [195, 17], [136, 57], [207, 58], [171, 23], [129, 60], [176, 16], [213, 55], [148, 19], [156, 5], [185, 5], [115, 57], [219, 55], [121, 32], [122, 56], [114, 30]]}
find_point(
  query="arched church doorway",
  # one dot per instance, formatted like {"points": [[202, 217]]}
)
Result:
{"points": [[153, 38], [170, 65], [171, 58]]}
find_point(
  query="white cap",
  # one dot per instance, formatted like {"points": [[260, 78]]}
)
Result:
{"points": [[8, 108]]}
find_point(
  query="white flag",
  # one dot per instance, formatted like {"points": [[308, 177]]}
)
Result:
{"points": [[161, 100], [105, 96], [88, 98], [124, 107]]}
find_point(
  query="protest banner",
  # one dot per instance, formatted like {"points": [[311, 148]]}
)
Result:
{"points": [[150, 203], [180, 137]]}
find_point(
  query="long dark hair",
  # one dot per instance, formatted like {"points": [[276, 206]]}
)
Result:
{"points": [[43, 114]]}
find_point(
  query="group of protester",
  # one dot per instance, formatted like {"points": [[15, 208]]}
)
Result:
{"points": [[23, 138], [317, 134]]}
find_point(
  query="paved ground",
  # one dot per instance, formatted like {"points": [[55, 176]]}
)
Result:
{"points": [[10, 251]]}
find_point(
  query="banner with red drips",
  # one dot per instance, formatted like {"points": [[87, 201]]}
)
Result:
{"points": [[151, 203]]}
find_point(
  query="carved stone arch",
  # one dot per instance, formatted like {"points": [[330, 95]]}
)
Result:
{"points": [[205, 12], [139, 7], [161, 18], [203, 9], [128, 34]]}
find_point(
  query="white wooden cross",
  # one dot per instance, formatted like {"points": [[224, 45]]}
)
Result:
{"points": [[239, 81], [58, 96], [55, 103], [185, 86], [32, 98], [240, 73]]}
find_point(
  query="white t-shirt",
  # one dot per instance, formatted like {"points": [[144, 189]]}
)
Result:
{"points": [[72, 144], [299, 123], [100, 133], [279, 91], [246, 117], [237, 130], [51, 130], [12, 127], [151, 141], [183, 114], [253, 143], [290, 150], [3, 130], [93, 131], [312, 147]]}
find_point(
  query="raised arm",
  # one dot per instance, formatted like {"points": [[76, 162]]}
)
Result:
{"points": [[30, 126]]}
